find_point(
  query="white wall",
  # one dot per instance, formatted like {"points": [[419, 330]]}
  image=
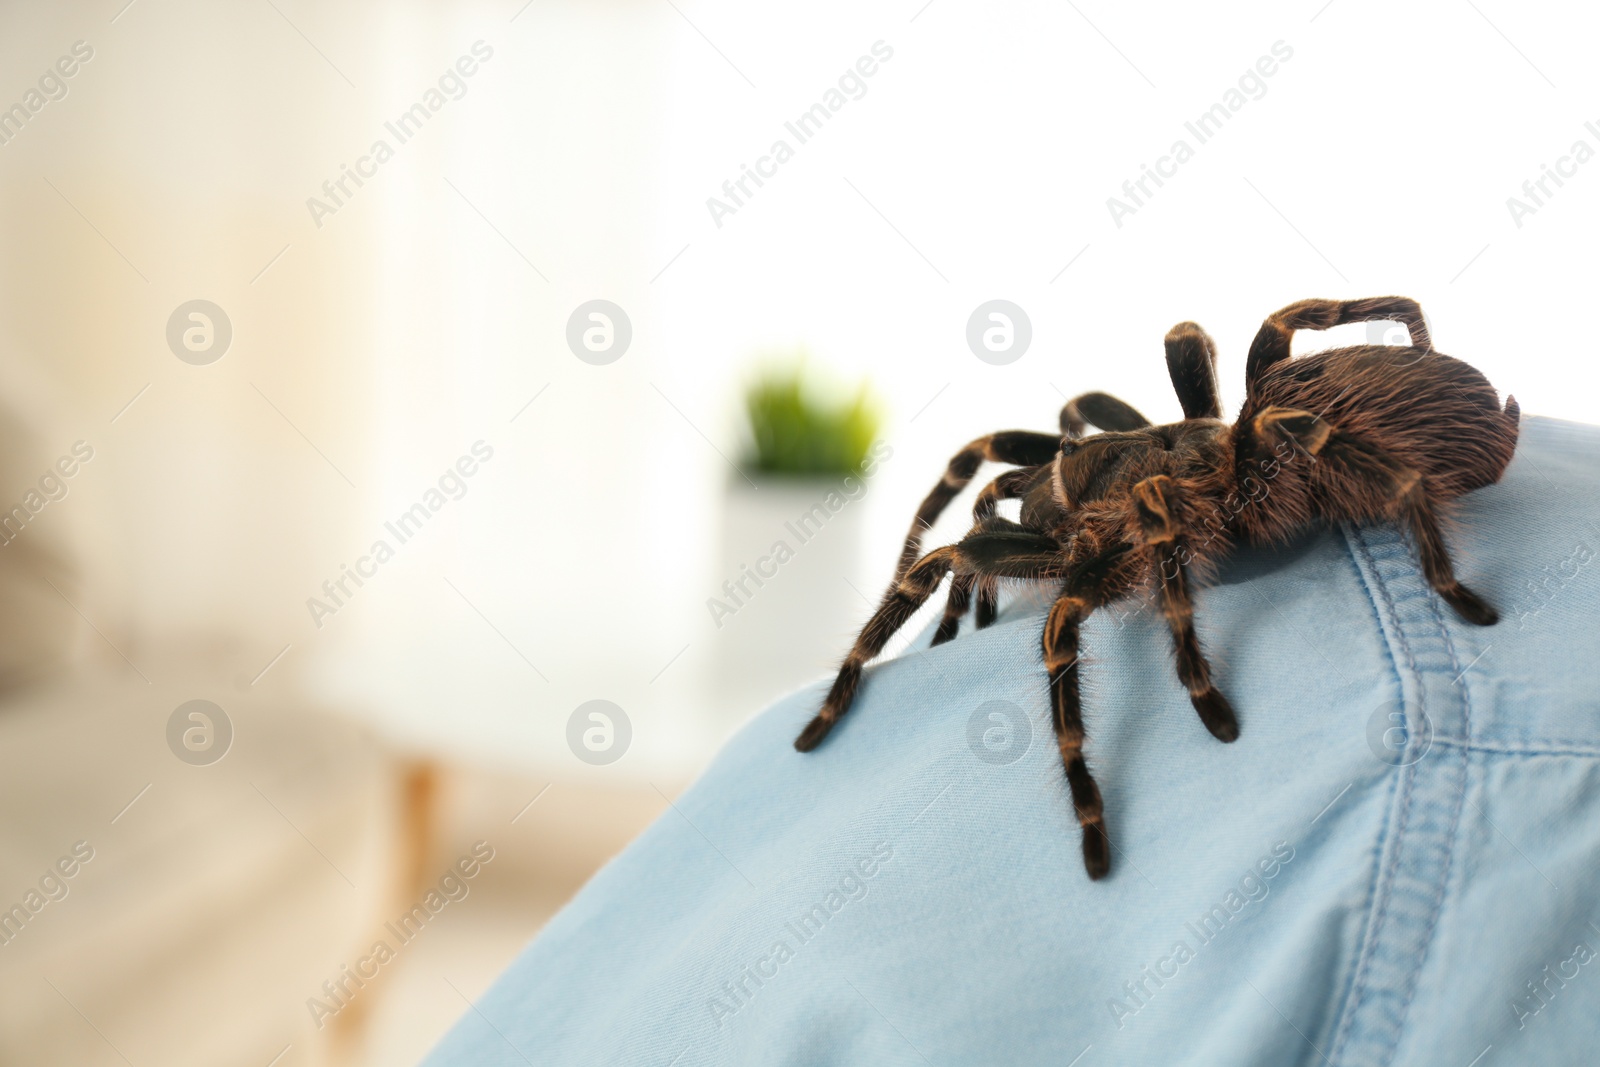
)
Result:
{"points": [[976, 166]]}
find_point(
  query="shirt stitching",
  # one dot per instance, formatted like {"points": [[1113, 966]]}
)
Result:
{"points": [[1348, 995], [1555, 746], [1384, 880], [1455, 821]]}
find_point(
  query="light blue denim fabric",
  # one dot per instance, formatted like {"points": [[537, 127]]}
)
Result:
{"points": [[1396, 863]]}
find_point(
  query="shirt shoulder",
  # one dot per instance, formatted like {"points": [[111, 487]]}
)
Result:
{"points": [[1368, 872]]}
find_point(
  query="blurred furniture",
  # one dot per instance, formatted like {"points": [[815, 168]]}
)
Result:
{"points": [[218, 899], [218, 895]]}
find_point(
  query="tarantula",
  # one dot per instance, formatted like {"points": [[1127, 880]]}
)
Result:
{"points": [[1356, 434]]}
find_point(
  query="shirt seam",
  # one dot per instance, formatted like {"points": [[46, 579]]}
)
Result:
{"points": [[1554, 747], [1436, 909], [1377, 904]]}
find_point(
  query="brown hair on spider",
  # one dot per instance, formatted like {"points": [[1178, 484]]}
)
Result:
{"points": [[1369, 432]]}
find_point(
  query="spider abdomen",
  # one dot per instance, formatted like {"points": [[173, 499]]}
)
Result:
{"points": [[1428, 410]]}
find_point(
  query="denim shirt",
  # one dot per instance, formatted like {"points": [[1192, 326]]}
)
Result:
{"points": [[1396, 862]]}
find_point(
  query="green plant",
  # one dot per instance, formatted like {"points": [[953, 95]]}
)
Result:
{"points": [[803, 423]]}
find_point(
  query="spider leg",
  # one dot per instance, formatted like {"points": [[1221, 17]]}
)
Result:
{"points": [[1398, 486], [1101, 410], [1008, 486], [1089, 587], [988, 603], [1192, 363], [1155, 500], [1022, 448], [1271, 343], [955, 606], [997, 547]]}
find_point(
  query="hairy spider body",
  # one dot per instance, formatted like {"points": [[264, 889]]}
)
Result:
{"points": [[1353, 434]]}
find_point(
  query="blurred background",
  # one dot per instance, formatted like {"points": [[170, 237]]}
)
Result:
{"points": [[381, 377]]}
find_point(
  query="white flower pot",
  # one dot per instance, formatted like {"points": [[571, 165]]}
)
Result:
{"points": [[786, 606]]}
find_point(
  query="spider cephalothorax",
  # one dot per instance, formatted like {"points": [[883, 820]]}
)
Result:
{"points": [[1353, 434]]}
